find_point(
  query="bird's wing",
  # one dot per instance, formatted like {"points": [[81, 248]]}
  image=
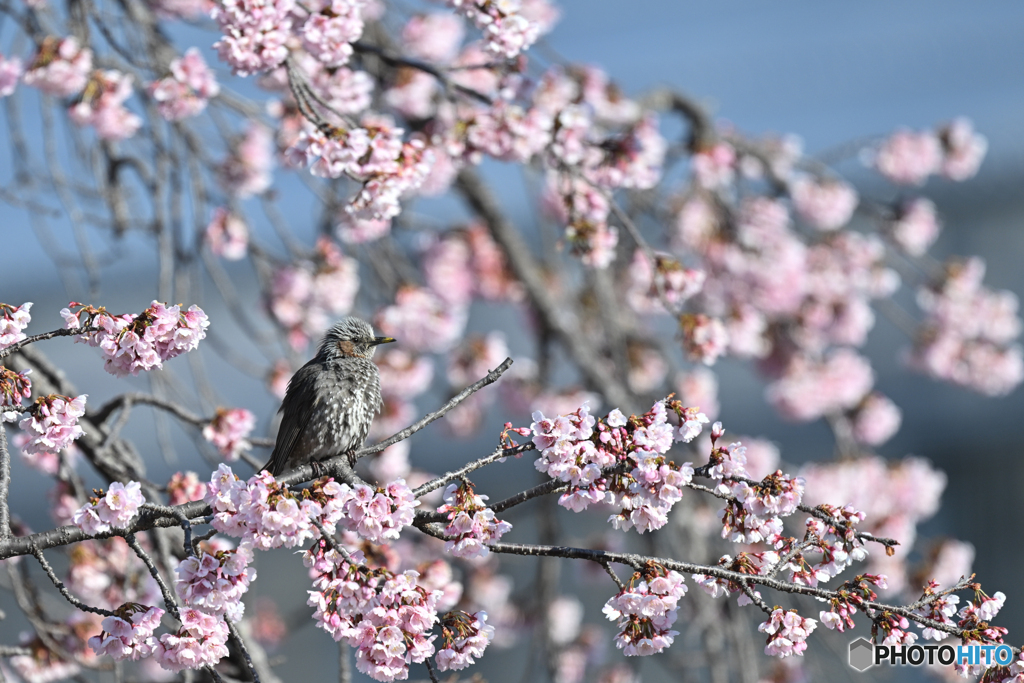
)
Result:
{"points": [[298, 406]]}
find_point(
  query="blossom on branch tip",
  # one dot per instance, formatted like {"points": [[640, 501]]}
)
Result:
{"points": [[14, 386], [216, 582], [645, 611], [787, 633], [201, 641]]}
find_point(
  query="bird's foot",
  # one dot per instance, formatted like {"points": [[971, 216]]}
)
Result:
{"points": [[318, 469]]}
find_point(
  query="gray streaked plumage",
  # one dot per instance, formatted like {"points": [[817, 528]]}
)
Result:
{"points": [[331, 400]]}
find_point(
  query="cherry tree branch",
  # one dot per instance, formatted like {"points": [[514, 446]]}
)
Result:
{"points": [[17, 346], [5, 485]]}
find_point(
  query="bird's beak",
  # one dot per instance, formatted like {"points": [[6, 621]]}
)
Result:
{"points": [[381, 340]]}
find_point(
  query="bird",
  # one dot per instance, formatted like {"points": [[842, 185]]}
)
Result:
{"points": [[331, 400]]}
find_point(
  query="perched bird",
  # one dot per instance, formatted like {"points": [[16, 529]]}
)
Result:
{"points": [[331, 400]]}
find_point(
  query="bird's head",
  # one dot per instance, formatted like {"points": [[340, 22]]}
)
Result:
{"points": [[350, 338]]}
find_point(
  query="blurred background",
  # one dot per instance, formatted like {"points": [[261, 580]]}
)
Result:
{"points": [[831, 74]]}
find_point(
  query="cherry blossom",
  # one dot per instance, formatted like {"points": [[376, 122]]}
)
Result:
{"points": [[228, 430], [187, 89], [201, 641], [101, 105], [471, 525], [13, 320], [129, 635], [115, 509], [52, 423], [60, 68], [787, 633], [11, 70], [227, 235], [215, 582], [645, 610], [464, 639]]}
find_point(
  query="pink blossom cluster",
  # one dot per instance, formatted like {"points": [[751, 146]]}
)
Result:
{"points": [[850, 597], [423, 320], [11, 70], [43, 665], [248, 169], [187, 89], [227, 235], [507, 32], [941, 609], [837, 541], [260, 511], [201, 641], [216, 582], [378, 515], [13, 320], [894, 497], [385, 616], [52, 423], [645, 610], [753, 563], [714, 167], [908, 157], [915, 226], [666, 277], [754, 514], [465, 263], [434, 37], [827, 204], [970, 332], [705, 338], [228, 431], [464, 639], [808, 389], [471, 524], [306, 296], [14, 386], [256, 33], [101, 106], [787, 632], [580, 450], [129, 635], [131, 343], [375, 155], [185, 487], [331, 28], [61, 67], [115, 509], [875, 420], [107, 573]]}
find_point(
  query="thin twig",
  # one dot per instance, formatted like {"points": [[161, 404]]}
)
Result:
{"points": [[498, 454], [40, 337], [241, 646], [64, 589], [169, 600]]}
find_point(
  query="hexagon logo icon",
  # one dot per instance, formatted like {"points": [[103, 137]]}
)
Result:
{"points": [[862, 654]]}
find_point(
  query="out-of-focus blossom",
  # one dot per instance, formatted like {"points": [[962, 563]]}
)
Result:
{"points": [[101, 105], [876, 419], [916, 226], [255, 33], [433, 37], [506, 31], [187, 89], [60, 68], [908, 157], [185, 487], [228, 431], [699, 387], [227, 235], [247, 170], [715, 168], [963, 149], [11, 70], [807, 389], [969, 334], [422, 320], [826, 204]]}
